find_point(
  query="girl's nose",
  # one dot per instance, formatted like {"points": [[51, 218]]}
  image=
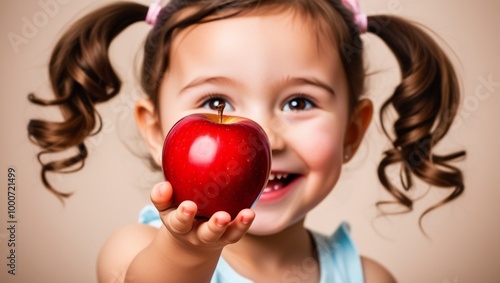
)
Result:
{"points": [[275, 130]]}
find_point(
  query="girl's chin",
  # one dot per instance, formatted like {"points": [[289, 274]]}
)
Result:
{"points": [[268, 223], [264, 230]]}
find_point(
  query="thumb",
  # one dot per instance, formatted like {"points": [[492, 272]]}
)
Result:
{"points": [[161, 196]]}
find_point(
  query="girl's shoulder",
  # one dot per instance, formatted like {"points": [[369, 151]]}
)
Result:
{"points": [[340, 260], [120, 249], [374, 272]]}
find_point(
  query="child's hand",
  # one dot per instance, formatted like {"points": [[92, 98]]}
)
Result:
{"points": [[215, 233]]}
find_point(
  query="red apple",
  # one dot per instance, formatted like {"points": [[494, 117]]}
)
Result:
{"points": [[220, 162]]}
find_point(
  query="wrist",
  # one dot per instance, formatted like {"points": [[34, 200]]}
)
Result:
{"points": [[182, 249]]}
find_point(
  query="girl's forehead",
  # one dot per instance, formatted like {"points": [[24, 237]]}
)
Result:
{"points": [[316, 30]]}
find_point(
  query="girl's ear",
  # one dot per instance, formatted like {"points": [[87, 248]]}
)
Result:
{"points": [[359, 122], [150, 127]]}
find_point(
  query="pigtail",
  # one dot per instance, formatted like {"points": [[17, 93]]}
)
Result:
{"points": [[426, 102], [81, 76]]}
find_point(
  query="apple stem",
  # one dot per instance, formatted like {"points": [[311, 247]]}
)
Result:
{"points": [[221, 107]]}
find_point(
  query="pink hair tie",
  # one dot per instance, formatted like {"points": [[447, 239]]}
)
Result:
{"points": [[154, 10], [360, 19]]}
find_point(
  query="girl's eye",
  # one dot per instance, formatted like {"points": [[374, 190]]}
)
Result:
{"points": [[213, 103], [298, 104]]}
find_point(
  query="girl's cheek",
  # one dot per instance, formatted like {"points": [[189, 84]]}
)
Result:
{"points": [[320, 145]]}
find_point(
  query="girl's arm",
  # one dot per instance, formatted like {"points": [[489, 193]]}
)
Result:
{"points": [[120, 249], [183, 250], [164, 260]]}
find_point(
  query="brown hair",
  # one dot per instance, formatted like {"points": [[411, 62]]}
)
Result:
{"points": [[426, 100]]}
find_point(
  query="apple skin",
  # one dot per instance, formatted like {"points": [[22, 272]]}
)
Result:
{"points": [[221, 165]]}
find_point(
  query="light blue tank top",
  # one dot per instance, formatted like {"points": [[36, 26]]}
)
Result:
{"points": [[338, 256]]}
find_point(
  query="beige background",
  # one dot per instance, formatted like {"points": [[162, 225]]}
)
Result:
{"points": [[60, 244]]}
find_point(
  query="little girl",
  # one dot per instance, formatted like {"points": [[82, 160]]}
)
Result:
{"points": [[293, 66]]}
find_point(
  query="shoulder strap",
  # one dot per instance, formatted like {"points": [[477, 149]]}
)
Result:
{"points": [[339, 257], [150, 216]]}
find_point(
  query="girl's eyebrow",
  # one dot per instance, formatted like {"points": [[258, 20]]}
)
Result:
{"points": [[297, 81], [288, 81], [209, 80]]}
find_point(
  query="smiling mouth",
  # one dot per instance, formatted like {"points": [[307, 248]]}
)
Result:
{"points": [[278, 181]]}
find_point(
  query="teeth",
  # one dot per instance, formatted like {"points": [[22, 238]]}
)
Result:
{"points": [[273, 176]]}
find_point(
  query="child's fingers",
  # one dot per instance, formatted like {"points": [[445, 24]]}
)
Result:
{"points": [[180, 220], [240, 225], [181, 223], [214, 228], [161, 196]]}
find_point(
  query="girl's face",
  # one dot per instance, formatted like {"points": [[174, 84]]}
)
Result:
{"points": [[274, 69]]}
